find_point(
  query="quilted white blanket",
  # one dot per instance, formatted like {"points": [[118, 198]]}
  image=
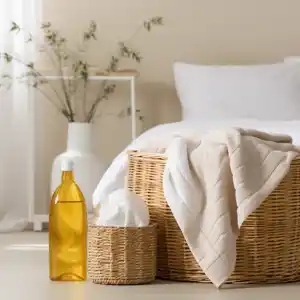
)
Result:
{"points": [[212, 185], [213, 180]]}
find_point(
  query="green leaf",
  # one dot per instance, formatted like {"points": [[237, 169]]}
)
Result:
{"points": [[30, 74], [109, 89], [84, 75], [147, 25], [15, 27], [113, 64], [93, 26], [7, 57], [6, 76], [91, 32], [93, 29], [43, 81], [30, 65], [46, 25], [53, 38], [65, 113], [136, 56], [157, 21], [75, 67], [124, 50], [86, 36], [62, 40], [29, 39]]}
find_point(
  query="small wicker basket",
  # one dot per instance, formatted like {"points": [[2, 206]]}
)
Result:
{"points": [[268, 248], [121, 255]]}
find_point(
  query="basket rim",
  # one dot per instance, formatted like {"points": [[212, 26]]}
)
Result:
{"points": [[152, 225], [146, 154]]}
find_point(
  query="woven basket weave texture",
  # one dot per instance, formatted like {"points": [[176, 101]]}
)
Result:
{"points": [[122, 255], [268, 248]]}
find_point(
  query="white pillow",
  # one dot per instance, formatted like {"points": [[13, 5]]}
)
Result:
{"points": [[265, 92]]}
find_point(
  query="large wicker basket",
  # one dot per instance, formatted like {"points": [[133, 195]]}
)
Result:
{"points": [[268, 248], [122, 255]]}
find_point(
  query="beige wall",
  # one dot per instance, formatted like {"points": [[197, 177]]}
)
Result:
{"points": [[200, 31]]}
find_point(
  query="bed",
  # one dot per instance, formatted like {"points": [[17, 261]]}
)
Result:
{"points": [[268, 247]]}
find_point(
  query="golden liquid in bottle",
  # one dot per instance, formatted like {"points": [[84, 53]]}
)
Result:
{"points": [[68, 232]]}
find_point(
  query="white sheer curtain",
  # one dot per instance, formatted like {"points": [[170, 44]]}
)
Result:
{"points": [[16, 139]]}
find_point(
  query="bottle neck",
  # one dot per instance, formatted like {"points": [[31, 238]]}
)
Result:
{"points": [[67, 176]]}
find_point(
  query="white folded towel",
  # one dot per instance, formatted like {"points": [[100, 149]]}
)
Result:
{"points": [[213, 184]]}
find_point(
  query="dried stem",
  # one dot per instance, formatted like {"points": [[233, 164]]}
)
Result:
{"points": [[59, 55], [93, 109], [85, 88], [116, 59], [55, 91], [17, 28], [40, 76], [50, 100], [64, 88]]}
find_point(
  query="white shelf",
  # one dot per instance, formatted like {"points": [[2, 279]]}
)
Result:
{"points": [[95, 78]]}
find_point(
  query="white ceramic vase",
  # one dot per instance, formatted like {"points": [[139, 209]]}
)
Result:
{"points": [[88, 169]]}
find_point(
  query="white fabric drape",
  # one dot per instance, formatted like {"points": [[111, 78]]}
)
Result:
{"points": [[16, 132]]}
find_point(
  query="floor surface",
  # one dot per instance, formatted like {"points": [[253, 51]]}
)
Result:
{"points": [[24, 275]]}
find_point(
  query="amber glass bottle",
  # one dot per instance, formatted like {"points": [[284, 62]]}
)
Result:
{"points": [[68, 230]]}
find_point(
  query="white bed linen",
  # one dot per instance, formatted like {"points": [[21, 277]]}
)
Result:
{"points": [[158, 138]]}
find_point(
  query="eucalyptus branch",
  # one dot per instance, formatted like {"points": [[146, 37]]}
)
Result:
{"points": [[125, 51], [51, 86], [81, 71], [16, 28], [85, 88], [65, 113], [60, 55], [35, 85], [9, 58], [109, 89], [99, 98], [81, 68], [57, 42], [64, 88]]}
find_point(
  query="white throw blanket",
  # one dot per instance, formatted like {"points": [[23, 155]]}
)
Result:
{"points": [[202, 197], [214, 184]]}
